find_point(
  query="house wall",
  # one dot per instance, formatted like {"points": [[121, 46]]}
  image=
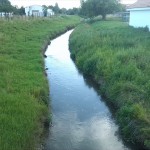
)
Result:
{"points": [[6, 14], [50, 12], [140, 18], [35, 10]]}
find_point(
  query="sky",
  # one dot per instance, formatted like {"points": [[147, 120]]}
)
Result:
{"points": [[128, 1], [62, 3]]}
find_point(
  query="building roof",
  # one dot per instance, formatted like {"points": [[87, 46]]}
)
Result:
{"points": [[140, 4]]}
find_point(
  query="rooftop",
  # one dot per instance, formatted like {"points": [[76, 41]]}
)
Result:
{"points": [[140, 4]]}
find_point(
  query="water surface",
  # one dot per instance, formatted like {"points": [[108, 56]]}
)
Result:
{"points": [[80, 118]]}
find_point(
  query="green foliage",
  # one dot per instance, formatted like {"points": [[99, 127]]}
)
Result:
{"points": [[6, 2], [73, 11], [5, 6], [45, 10], [23, 85], [56, 8], [92, 8], [19, 11], [118, 57], [63, 11]]}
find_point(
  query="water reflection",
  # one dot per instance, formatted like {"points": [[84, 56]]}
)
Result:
{"points": [[81, 120], [69, 133]]}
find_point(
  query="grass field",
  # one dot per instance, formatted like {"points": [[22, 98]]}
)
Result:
{"points": [[117, 57], [23, 85]]}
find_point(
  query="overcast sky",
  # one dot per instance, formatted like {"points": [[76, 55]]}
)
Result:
{"points": [[62, 3]]}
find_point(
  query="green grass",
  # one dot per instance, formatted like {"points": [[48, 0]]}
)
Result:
{"points": [[23, 85], [117, 57]]}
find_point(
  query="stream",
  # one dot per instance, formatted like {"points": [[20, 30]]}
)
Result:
{"points": [[81, 120]]}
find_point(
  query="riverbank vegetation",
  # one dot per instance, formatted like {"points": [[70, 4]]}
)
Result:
{"points": [[117, 57], [23, 85]]}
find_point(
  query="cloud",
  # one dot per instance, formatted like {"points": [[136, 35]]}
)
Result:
{"points": [[128, 1], [61, 3]]}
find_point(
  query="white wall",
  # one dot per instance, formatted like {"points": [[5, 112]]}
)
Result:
{"points": [[50, 12], [4, 14], [139, 18], [26, 10], [29, 10]]}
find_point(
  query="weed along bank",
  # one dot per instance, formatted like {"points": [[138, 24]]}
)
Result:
{"points": [[116, 57], [24, 92]]}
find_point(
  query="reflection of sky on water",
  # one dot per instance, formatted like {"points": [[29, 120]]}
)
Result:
{"points": [[81, 121], [94, 134], [59, 52]]}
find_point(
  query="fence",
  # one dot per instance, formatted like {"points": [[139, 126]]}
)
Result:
{"points": [[9, 17]]}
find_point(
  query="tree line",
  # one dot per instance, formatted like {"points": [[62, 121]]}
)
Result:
{"points": [[57, 10], [89, 8], [93, 8], [5, 6]]}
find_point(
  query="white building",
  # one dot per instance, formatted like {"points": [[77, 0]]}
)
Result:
{"points": [[140, 14], [50, 12], [34, 10], [6, 14]]}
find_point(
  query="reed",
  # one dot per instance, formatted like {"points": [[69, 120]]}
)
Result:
{"points": [[117, 57]]}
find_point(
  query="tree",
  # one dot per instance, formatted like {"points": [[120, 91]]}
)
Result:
{"points": [[4, 2], [22, 11], [5, 6], [73, 11], [92, 8], [45, 10], [19, 11], [63, 11], [56, 8]]}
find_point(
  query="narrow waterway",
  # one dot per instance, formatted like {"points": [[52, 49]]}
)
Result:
{"points": [[80, 118]]}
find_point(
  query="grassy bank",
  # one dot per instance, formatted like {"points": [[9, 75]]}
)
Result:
{"points": [[117, 57], [23, 85]]}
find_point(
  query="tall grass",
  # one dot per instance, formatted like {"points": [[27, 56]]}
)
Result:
{"points": [[23, 85], [117, 57]]}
